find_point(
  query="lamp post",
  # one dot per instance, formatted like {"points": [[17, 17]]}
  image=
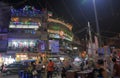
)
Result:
{"points": [[97, 23]]}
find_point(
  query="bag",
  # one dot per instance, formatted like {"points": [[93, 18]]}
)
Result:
{"points": [[34, 72]]}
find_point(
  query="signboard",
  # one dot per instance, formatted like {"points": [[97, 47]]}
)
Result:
{"points": [[101, 51], [25, 22], [24, 26], [55, 35], [104, 51], [41, 46], [54, 46]]}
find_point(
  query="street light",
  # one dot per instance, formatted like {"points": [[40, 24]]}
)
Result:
{"points": [[97, 23], [62, 59]]}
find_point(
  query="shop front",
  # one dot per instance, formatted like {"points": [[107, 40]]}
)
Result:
{"points": [[6, 59], [22, 44], [28, 56]]}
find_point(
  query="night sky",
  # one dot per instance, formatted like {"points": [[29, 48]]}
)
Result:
{"points": [[79, 12]]}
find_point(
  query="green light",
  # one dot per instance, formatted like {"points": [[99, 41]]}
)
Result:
{"points": [[28, 23]]}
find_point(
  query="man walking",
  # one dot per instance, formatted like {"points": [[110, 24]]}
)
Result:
{"points": [[50, 69]]}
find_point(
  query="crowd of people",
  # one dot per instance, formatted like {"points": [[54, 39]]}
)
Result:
{"points": [[99, 69], [102, 69]]}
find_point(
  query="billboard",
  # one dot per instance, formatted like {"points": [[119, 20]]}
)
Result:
{"points": [[25, 22], [104, 50], [54, 46], [41, 46]]}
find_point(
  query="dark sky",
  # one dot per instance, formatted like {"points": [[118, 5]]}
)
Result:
{"points": [[79, 12]]}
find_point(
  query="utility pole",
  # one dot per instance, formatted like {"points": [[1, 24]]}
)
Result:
{"points": [[89, 30], [97, 23], [90, 47]]}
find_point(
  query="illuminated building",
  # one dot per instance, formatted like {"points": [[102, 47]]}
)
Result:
{"points": [[4, 25], [29, 30], [62, 32], [24, 30]]}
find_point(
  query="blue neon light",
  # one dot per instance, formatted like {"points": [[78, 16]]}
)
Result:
{"points": [[26, 11]]}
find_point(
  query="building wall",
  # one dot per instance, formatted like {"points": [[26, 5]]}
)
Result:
{"points": [[40, 35], [4, 24], [4, 17], [24, 33]]}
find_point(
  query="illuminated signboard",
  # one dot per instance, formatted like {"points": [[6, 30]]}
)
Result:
{"points": [[20, 22], [54, 36], [59, 31], [41, 46], [54, 46], [57, 36], [24, 26], [26, 11]]}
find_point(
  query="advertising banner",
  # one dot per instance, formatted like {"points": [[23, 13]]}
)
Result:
{"points": [[41, 46], [104, 51], [54, 46]]}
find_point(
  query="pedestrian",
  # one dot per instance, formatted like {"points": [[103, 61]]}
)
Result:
{"points": [[63, 72], [34, 70], [116, 69], [50, 69], [2, 67], [100, 71], [39, 68], [29, 70]]}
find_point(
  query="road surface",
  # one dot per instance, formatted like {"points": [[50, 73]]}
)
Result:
{"points": [[16, 76]]}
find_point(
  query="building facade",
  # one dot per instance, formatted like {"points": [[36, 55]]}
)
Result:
{"points": [[4, 26], [31, 31]]}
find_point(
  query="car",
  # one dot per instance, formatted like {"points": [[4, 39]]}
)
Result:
{"points": [[25, 62], [13, 68]]}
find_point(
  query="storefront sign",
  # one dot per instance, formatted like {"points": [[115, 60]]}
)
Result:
{"points": [[41, 46], [59, 37], [104, 51], [54, 46]]}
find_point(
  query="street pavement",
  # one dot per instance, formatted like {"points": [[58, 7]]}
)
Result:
{"points": [[16, 76], [9, 76]]}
